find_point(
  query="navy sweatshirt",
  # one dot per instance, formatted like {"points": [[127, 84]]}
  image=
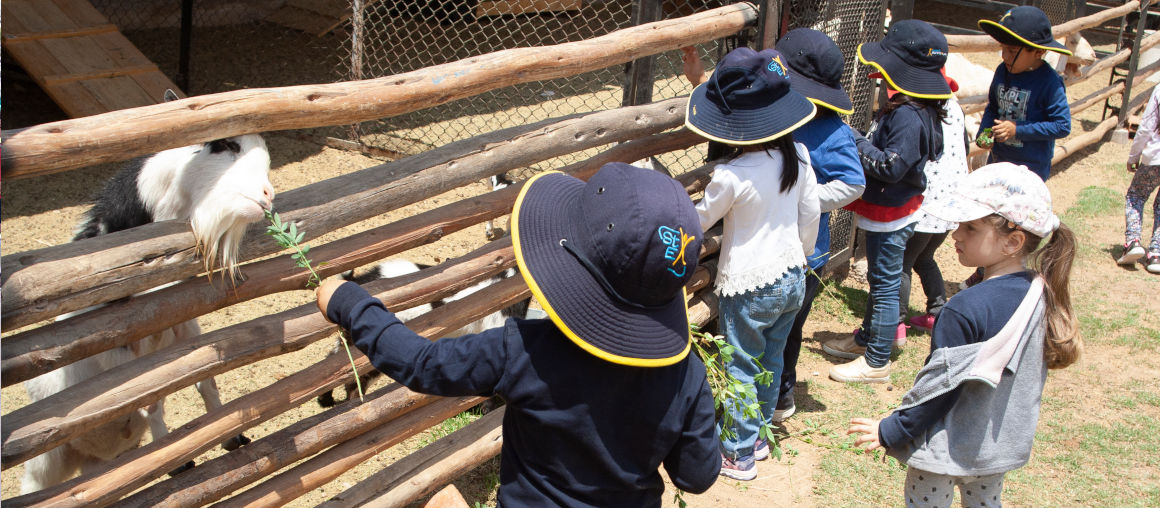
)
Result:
{"points": [[894, 157], [973, 315], [578, 430], [1037, 102]]}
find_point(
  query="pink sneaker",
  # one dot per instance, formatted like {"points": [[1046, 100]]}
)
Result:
{"points": [[900, 335], [924, 322]]}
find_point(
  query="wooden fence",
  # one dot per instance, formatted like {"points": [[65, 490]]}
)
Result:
{"points": [[280, 467]]}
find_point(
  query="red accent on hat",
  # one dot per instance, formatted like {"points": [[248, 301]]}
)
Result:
{"points": [[889, 90], [950, 81]]}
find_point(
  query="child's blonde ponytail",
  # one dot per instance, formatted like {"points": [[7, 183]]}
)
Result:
{"points": [[1063, 345]]}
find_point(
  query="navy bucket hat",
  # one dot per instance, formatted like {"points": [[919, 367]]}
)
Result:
{"points": [[609, 259], [815, 68], [1026, 26], [747, 100], [909, 58]]}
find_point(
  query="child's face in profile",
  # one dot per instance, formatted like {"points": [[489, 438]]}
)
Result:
{"points": [[978, 243], [1021, 58]]}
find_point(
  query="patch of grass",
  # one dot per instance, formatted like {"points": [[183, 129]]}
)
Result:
{"points": [[446, 427], [1094, 202], [1086, 463], [840, 302]]}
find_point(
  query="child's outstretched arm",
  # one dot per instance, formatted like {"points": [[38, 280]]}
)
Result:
{"points": [[693, 67], [468, 365], [894, 152]]}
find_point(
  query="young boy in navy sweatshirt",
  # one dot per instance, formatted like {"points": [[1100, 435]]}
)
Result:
{"points": [[1027, 107], [604, 392]]}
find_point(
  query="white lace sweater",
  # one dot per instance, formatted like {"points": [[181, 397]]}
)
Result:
{"points": [[767, 232]]}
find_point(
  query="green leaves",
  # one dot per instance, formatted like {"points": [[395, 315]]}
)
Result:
{"points": [[288, 237], [730, 395]]}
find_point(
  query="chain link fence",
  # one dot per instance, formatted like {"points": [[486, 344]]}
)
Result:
{"points": [[234, 44]]}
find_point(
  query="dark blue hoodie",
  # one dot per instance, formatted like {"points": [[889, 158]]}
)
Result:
{"points": [[893, 159]]}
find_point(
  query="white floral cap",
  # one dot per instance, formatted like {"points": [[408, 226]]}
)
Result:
{"points": [[1010, 190]]}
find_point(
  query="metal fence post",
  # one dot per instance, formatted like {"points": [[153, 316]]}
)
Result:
{"points": [[638, 74], [768, 23], [1133, 62]]}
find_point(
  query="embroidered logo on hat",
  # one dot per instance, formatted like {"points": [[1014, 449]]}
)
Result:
{"points": [[775, 65], [675, 241], [935, 52]]}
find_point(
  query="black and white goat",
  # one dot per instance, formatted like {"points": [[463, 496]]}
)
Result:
{"points": [[220, 187], [399, 267]]}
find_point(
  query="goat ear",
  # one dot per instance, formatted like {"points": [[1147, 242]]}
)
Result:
{"points": [[170, 95]]}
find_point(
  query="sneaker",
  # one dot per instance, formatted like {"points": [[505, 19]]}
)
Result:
{"points": [[782, 414], [924, 322], [1133, 251], [1152, 262], [975, 278], [760, 450], [858, 371], [742, 468], [844, 348], [900, 335]]}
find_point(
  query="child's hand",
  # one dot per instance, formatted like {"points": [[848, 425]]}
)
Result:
{"points": [[869, 430], [985, 140], [693, 68], [1132, 166], [1004, 130], [324, 291]]}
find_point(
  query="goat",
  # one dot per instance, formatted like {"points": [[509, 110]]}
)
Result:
{"points": [[400, 267], [220, 187]]}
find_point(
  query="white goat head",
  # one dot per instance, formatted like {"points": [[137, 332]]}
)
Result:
{"points": [[220, 187]]}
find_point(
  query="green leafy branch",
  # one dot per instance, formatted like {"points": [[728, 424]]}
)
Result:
{"points": [[730, 395], [287, 236]]}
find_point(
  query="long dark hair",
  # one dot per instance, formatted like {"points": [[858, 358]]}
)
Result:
{"points": [[939, 106], [783, 144]]}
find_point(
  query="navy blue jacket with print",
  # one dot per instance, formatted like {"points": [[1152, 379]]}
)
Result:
{"points": [[1036, 101], [894, 156]]}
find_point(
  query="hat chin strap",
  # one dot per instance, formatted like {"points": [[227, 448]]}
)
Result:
{"points": [[599, 276]]}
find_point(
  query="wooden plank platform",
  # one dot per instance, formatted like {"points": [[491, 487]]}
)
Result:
{"points": [[80, 59]]}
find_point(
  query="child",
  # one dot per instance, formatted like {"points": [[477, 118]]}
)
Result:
{"points": [[942, 176], [767, 196], [972, 412], [1144, 161], [605, 391], [906, 134], [1027, 106], [815, 68]]}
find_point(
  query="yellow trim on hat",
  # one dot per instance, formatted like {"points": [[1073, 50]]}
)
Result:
{"points": [[1021, 39], [694, 128], [829, 106], [548, 309], [895, 85]]}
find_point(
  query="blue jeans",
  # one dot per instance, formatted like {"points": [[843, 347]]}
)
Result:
{"points": [[757, 323], [884, 252]]}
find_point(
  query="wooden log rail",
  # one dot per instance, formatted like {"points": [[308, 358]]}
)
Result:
{"points": [[125, 134], [44, 283], [146, 380], [42, 349], [978, 43]]}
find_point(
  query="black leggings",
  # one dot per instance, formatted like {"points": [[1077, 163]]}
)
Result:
{"points": [[919, 256]]}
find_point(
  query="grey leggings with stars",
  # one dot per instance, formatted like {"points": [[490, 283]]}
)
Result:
{"points": [[930, 490]]}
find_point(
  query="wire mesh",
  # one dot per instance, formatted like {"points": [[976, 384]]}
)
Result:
{"points": [[848, 23]]}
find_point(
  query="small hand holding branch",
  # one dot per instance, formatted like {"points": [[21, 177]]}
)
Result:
{"points": [[324, 291], [868, 428], [1003, 130]]}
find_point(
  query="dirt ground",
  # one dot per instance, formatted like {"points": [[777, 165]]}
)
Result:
{"points": [[43, 211]]}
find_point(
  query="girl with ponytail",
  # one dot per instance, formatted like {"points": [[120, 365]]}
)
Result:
{"points": [[972, 412]]}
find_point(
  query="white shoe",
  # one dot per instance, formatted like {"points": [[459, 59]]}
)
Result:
{"points": [[780, 415], [1133, 251], [858, 371]]}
